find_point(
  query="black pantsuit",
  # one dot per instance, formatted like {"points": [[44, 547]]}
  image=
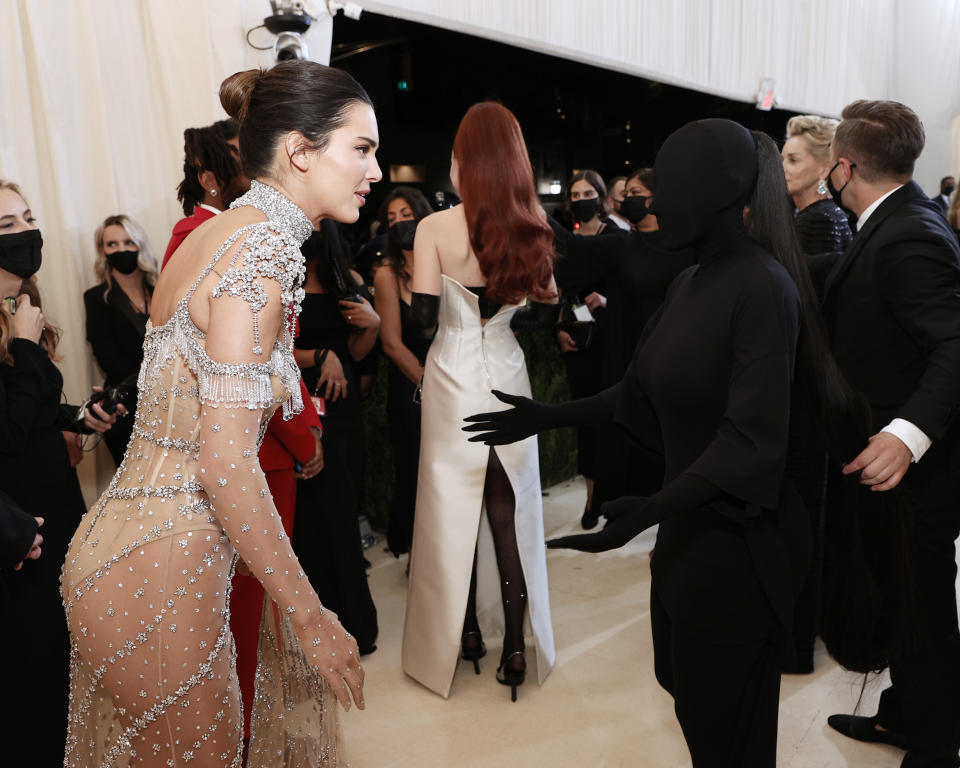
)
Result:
{"points": [[892, 305]]}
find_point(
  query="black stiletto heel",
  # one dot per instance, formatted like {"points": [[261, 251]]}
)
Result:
{"points": [[513, 674], [472, 649]]}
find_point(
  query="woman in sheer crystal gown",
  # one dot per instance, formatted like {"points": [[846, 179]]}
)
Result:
{"points": [[147, 577]]}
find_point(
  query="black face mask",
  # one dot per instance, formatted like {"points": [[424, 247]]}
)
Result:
{"points": [[834, 192], [634, 208], [401, 233], [584, 210], [947, 190], [690, 212], [20, 253], [125, 262]]}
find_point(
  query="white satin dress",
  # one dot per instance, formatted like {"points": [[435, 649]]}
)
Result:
{"points": [[465, 362]]}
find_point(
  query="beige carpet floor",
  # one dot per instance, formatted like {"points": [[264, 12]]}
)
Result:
{"points": [[600, 707]]}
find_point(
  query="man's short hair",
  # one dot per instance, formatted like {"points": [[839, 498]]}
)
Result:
{"points": [[884, 139]]}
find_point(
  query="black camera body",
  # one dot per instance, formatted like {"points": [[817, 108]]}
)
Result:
{"points": [[124, 393]]}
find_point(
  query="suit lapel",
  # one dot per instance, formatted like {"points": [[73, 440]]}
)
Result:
{"points": [[907, 192]]}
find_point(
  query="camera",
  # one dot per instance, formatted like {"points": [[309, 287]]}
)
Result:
{"points": [[288, 23], [124, 393]]}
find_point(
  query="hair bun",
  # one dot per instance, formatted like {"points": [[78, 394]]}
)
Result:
{"points": [[236, 90]]}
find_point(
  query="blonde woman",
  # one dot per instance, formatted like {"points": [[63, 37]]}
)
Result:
{"points": [[822, 226], [117, 309]]}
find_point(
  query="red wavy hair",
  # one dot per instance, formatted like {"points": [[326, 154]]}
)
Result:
{"points": [[507, 226]]}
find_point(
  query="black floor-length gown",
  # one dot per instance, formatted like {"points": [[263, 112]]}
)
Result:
{"points": [[404, 417], [326, 532]]}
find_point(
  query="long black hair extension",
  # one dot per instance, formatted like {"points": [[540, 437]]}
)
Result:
{"points": [[867, 592]]}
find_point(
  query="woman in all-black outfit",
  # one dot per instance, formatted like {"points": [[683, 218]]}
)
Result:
{"points": [[635, 269], [405, 348], [35, 473], [338, 328], [117, 309], [824, 233], [711, 385]]}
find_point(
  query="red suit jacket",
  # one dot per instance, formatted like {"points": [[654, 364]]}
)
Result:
{"points": [[183, 228]]}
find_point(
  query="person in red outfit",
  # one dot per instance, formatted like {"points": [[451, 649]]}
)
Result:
{"points": [[212, 177], [286, 444]]}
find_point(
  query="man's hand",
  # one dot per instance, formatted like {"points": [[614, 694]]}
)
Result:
{"points": [[884, 462]]}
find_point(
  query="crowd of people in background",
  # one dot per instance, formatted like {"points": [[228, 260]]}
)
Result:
{"points": [[634, 299]]}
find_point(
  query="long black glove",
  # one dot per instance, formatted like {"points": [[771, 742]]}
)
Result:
{"points": [[536, 314], [528, 417], [629, 516], [424, 311]]}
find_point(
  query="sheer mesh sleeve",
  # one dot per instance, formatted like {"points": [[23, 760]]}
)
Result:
{"points": [[247, 308]]}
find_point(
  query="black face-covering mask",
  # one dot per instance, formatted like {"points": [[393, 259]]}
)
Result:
{"points": [[402, 233], [690, 211], [634, 208], [20, 253], [834, 192], [125, 262], [584, 210], [947, 190]]}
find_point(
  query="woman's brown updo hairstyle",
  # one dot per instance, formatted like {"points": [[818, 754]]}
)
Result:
{"points": [[302, 96]]}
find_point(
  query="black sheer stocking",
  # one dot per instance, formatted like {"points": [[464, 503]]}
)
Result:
{"points": [[501, 507]]}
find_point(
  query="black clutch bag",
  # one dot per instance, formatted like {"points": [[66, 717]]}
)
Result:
{"points": [[580, 332]]}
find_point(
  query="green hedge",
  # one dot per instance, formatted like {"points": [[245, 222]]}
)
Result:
{"points": [[548, 377]]}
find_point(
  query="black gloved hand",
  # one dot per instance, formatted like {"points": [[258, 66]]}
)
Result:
{"points": [[626, 517], [527, 417], [631, 515]]}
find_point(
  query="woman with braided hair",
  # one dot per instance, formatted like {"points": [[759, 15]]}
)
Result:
{"points": [[212, 177]]}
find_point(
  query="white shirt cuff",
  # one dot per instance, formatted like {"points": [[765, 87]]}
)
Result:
{"points": [[912, 436]]}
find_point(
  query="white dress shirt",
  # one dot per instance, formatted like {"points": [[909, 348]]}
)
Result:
{"points": [[209, 208], [909, 434], [617, 219]]}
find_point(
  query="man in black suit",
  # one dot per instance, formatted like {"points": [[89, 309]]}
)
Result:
{"points": [[892, 303], [947, 185]]}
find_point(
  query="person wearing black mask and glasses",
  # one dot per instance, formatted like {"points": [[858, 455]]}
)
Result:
{"points": [[36, 477], [635, 269], [117, 309], [406, 349], [710, 386]]}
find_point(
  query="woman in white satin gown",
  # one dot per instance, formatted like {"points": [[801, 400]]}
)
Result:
{"points": [[474, 266], [146, 581]]}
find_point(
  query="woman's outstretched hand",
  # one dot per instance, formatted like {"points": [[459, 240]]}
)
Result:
{"points": [[626, 517], [527, 417]]}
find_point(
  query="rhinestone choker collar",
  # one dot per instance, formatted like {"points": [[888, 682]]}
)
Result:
{"points": [[278, 208]]}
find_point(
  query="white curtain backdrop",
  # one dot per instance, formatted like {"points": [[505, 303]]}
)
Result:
{"points": [[94, 98]]}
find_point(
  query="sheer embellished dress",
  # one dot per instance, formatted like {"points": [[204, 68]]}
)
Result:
{"points": [[147, 577]]}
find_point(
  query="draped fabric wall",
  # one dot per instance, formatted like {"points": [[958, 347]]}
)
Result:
{"points": [[822, 53], [94, 98]]}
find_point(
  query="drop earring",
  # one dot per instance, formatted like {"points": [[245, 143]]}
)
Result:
{"points": [[822, 187]]}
